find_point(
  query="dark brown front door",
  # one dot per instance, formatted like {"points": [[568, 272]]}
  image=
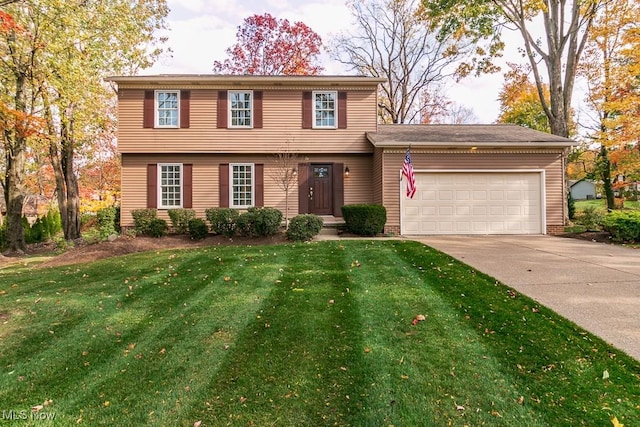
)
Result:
{"points": [[321, 189]]}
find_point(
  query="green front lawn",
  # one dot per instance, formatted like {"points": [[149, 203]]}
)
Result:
{"points": [[602, 204], [308, 334]]}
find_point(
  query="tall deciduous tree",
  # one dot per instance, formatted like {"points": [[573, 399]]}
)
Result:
{"points": [[75, 45], [519, 101], [566, 23], [612, 71], [18, 48], [390, 40], [270, 46], [436, 108]]}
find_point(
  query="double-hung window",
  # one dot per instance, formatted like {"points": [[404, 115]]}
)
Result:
{"points": [[242, 185], [167, 108], [170, 185], [240, 109], [325, 109]]}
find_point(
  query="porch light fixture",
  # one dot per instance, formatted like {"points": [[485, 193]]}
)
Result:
{"points": [[346, 171], [294, 172]]}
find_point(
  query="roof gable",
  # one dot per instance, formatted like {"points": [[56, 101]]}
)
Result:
{"points": [[486, 135]]}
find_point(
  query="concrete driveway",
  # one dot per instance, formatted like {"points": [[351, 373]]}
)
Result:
{"points": [[595, 285]]}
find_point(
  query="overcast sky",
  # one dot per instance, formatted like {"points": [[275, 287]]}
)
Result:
{"points": [[201, 31]]}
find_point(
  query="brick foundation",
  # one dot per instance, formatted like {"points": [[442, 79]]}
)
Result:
{"points": [[555, 229], [393, 230]]}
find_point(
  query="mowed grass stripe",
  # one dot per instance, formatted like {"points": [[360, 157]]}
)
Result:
{"points": [[299, 363], [434, 372]]}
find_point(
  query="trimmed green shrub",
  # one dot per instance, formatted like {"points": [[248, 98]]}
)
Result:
{"points": [[157, 227], [364, 220], [107, 222], [198, 229], [624, 226], [590, 217], [260, 222], [142, 219], [180, 219], [116, 219], [304, 227], [223, 220], [571, 205]]}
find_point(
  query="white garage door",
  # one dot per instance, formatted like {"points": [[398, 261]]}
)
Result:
{"points": [[474, 203]]}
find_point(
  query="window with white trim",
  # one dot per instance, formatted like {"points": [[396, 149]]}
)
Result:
{"points": [[167, 108], [242, 185], [170, 185], [325, 109], [240, 109]]}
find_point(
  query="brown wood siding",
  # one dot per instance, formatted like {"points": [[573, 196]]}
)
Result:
{"points": [[550, 162], [282, 123], [206, 180], [376, 173]]}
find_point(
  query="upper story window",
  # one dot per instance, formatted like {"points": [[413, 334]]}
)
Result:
{"points": [[242, 185], [170, 185], [325, 109], [240, 109], [167, 108]]}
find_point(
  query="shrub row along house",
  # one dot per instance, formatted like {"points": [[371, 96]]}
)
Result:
{"points": [[202, 141]]}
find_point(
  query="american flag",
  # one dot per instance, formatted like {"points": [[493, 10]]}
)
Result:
{"points": [[407, 171]]}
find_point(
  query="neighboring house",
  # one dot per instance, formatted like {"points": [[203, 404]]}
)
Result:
{"points": [[201, 141], [582, 189]]}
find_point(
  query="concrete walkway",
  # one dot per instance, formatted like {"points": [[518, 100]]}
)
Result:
{"points": [[595, 285]]}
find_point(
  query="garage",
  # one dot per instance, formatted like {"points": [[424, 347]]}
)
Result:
{"points": [[479, 202], [471, 179]]}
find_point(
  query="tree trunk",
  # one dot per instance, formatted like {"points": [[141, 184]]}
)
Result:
{"points": [[15, 155], [14, 196], [604, 166], [67, 189]]}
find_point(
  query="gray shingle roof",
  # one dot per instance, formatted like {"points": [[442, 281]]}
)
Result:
{"points": [[492, 135]]}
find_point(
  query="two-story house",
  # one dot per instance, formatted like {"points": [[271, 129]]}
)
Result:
{"points": [[201, 141]]}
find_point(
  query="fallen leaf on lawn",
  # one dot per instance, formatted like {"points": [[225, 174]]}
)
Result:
{"points": [[197, 424], [605, 375], [243, 399], [404, 377], [418, 318], [343, 368], [163, 351], [496, 414], [106, 403], [132, 346], [616, 423], [37, 408], [367, 350], [227, 278], [331, 301], [459, 407], [521, 400]]}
